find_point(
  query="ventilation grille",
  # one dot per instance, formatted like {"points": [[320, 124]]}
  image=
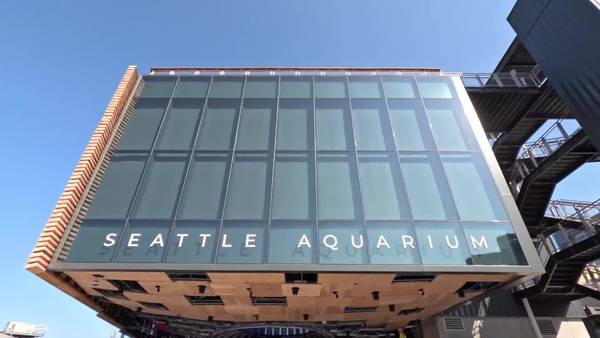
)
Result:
{"points": [[404, 278], [355, 309], [111, 293], [547, 328], [157, 306], [127, 285], [269, 301], [204, 300], [453, 324], [196, 276]]}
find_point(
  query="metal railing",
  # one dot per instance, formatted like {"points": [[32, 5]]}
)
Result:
{"points": [[533, 79]]}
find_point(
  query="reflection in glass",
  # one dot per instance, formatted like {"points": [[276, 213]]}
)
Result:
{"points": [[143, 242], [205, 187], [217, 129], [300, 87], [383, 191], [257, 125], [428, 195], [338, 188], [330, 88], [392, 243], [96, 241], [474, 192], [192, 87], [400, 88], [160, 187], [242, 242], [293, 242], [372, 125], [450, 127], [334, 125], [158, 86], [494, 244], [113, 198], [223, 87], [295, 127], [180, 123], [249, 187], [193, 242], [411, 128], [262, 87], [435, 88], [442, 244], [142, 126], [294, 187], [342, 243], [365, 87]]}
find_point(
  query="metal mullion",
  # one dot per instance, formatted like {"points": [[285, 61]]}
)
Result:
{"points": [[183, 187], [143, 175], [439, 159], [397, 157], [225, 205], [315, 173], [268, 236], [362, 199]]}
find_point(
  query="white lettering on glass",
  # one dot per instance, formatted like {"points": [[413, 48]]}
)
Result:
{"points": [[482, 242], [358, 246], [331, 245], [382, 242], [407, 241], [181, 238], [158, 240], [224, 244], [133, 240], [204, 237], [110, 240], [430, 241], [250, 241], [304, 241], [452, 246]]}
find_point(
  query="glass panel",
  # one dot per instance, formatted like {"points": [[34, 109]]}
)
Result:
{"points": [[158, 86], [143, 242], [436, 88], [243, 242], [474, 192], [383, 192], [342, 243], [442, 244], [334, 125], [293, 242], [193, 242], [193, 87], [365, 87], [295, 125], [372, 125], [261, 88], [411, 128], [96, 241], [180, 123], [494, 244], [205, 187], [450, 127], [294, 187], [160, 188], [296, 87], [428, 195], [217, 129], [333, 88], [250, 187], [117, 187], [392, 243], [226, 87], [338, 188], [401, 88], [142, 126], [257, 125]]}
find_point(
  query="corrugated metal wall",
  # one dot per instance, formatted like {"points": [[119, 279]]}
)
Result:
{"points": [[563, 36], [499, 303]]}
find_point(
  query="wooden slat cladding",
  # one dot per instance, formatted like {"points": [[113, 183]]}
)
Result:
{"points": [[66, 206]]}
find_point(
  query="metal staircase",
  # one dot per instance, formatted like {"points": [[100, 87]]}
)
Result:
{"points": [[570, 253]]}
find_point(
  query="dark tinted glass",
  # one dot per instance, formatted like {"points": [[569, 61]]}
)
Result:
{"points": [[410, 125], [96, 241], [295, 125], [223, 87], [257, 125], [243, 242], [494, 244], [192, 87], [249, 187], [193, 242], [143, 242], [294, 187], [338, 187], [180, 124], [293, 242], [262, 87], [218, 125], [143, 125], [300, 87], [392, 243], [442, 244], [330, 88], [342, 243], [333, 125], [372, 125], [158, 86]]}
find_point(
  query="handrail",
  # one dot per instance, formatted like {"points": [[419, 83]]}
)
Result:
{"points": [[501, 80]]}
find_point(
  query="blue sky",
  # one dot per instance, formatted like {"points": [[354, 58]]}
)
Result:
{"points": [[62, 60]]}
